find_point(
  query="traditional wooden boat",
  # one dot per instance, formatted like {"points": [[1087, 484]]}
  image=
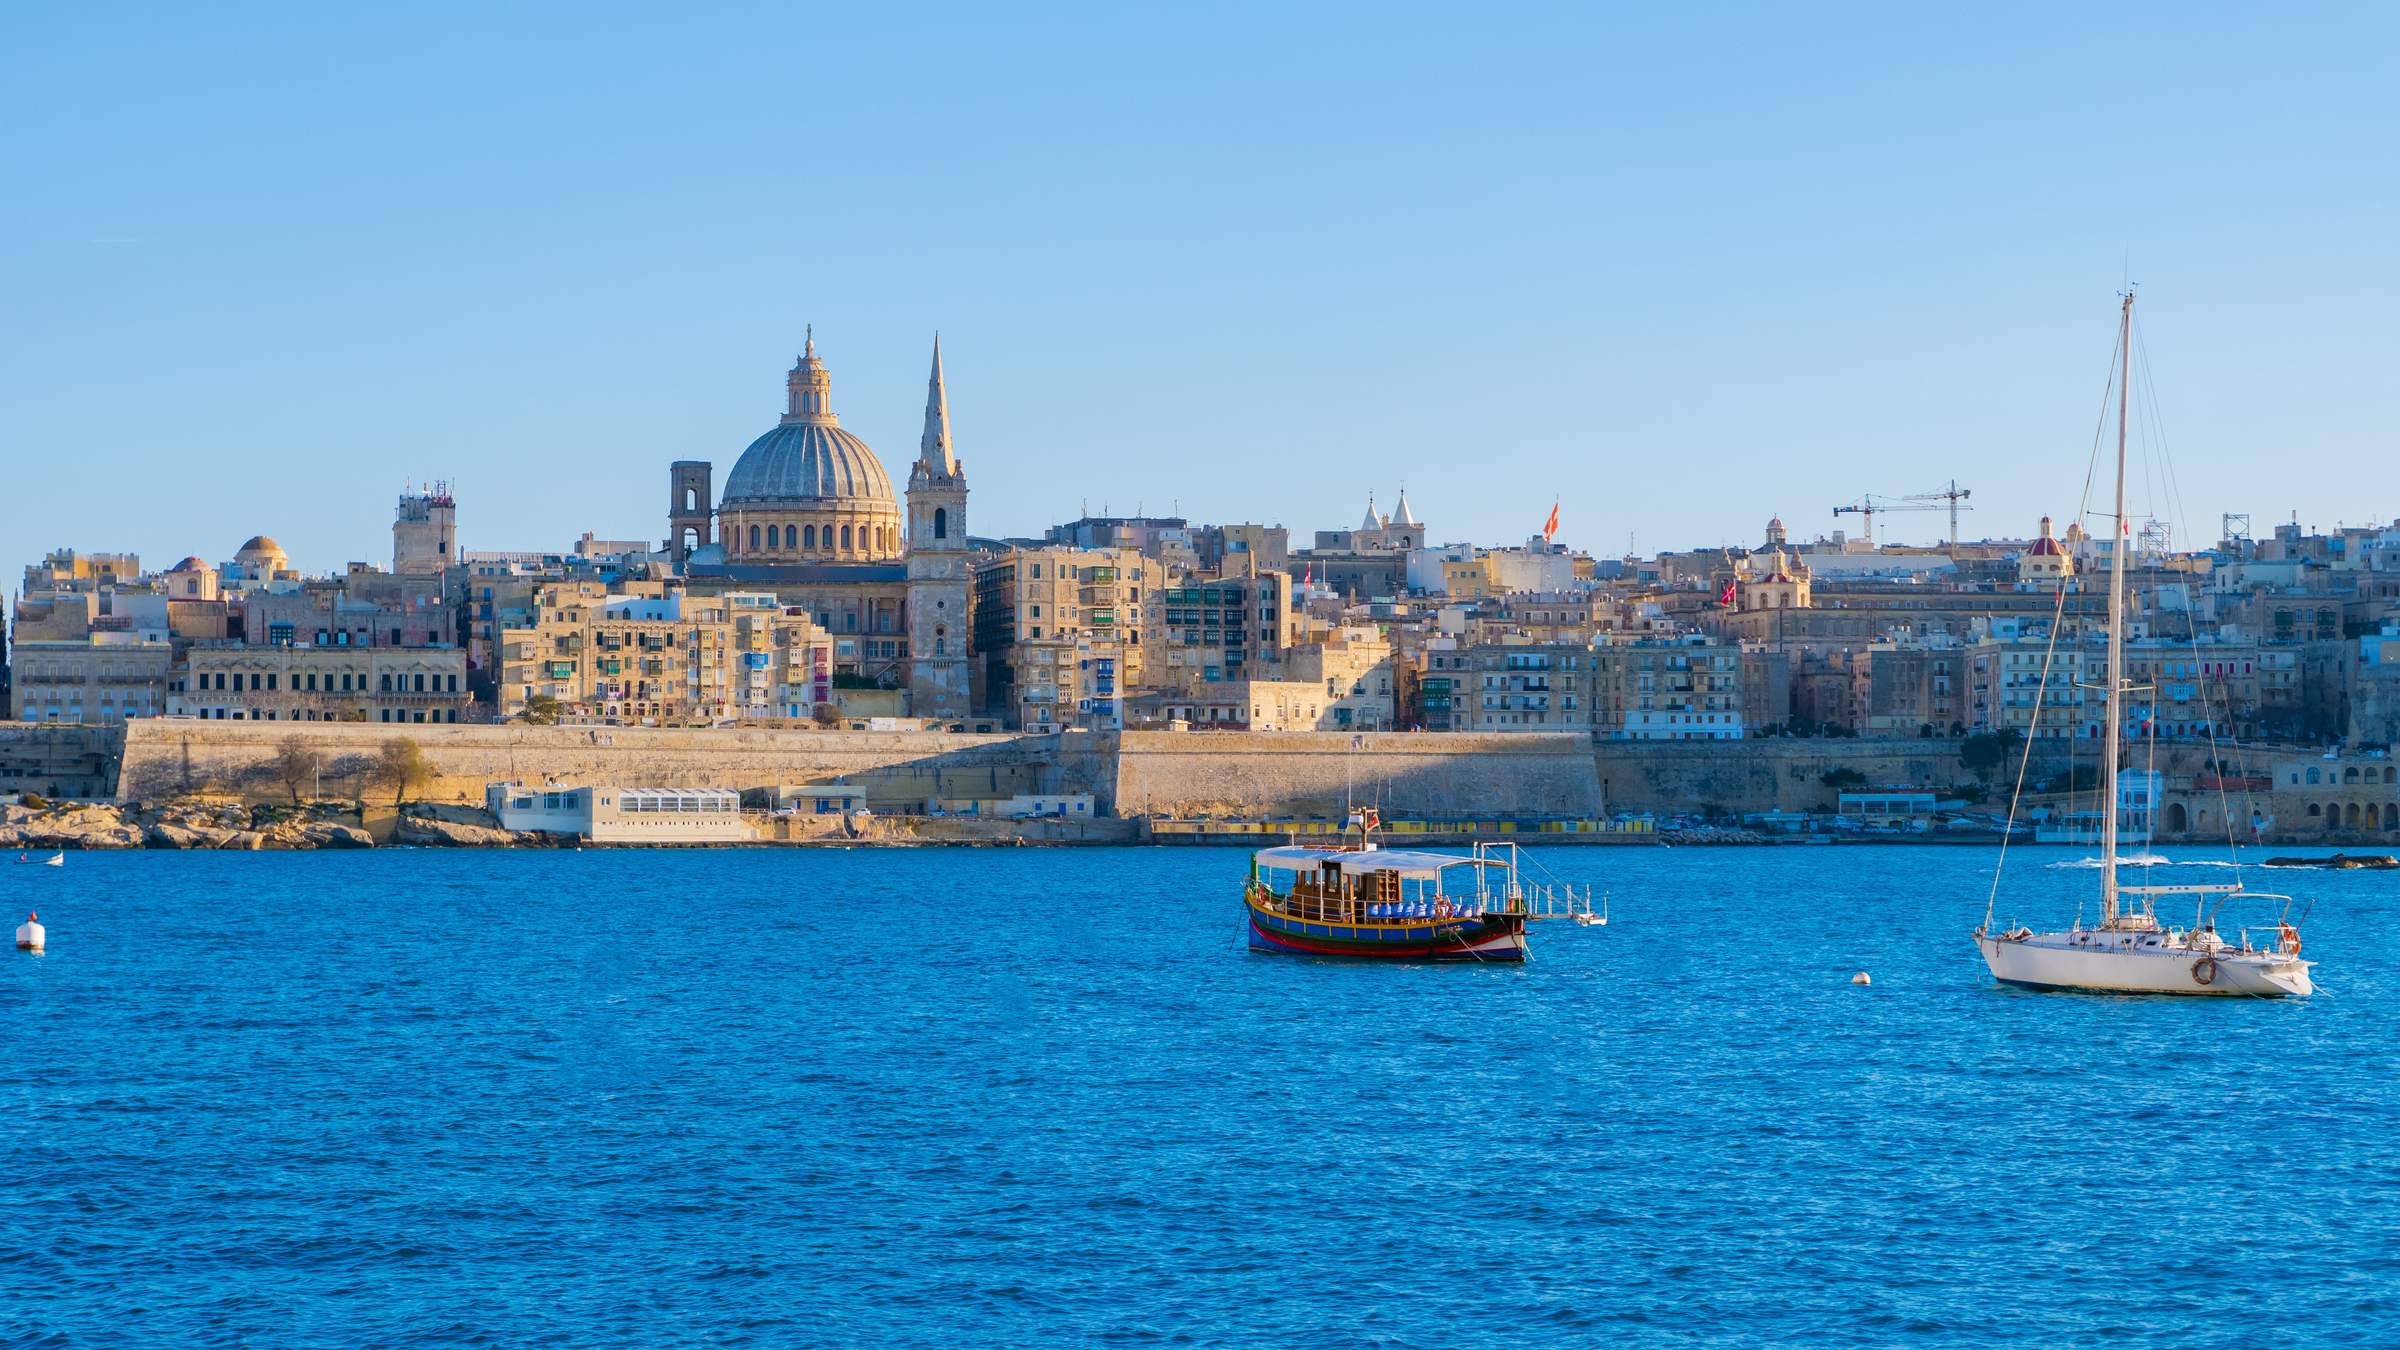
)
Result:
{"points": [[1398, 904]]}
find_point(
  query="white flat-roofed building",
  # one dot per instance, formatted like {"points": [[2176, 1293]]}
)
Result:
{"points": [[618, 815]]}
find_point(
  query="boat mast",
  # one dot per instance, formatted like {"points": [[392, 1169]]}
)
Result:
{"points": [[2116, 631]]}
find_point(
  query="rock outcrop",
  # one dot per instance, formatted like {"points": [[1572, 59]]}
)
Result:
{"points": [[446, 833], [83, 827]]}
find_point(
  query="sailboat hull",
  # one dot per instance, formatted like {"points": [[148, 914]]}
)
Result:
{"points": [[2081, 962]]}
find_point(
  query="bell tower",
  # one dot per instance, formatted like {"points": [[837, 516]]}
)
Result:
{"points": [[941, 582], [691, 508]]}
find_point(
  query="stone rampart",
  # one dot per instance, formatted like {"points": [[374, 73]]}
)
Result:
{"points": [[165, 758], [1785, 774], [59, 761], [1249, 775], [1286, 774]]}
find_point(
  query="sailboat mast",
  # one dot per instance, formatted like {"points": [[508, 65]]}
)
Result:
{"points": [[2116, 630]]}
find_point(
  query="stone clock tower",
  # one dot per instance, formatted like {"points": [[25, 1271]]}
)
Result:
{"points": [[941, 582]]}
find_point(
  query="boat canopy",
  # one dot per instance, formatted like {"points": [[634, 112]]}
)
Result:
{"points": [[1409, 863]]}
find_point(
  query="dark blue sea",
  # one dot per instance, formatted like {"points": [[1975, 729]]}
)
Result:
{"points": [[1045, 1098]]}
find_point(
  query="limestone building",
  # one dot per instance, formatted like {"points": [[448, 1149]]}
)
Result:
{"points": [[1062, 636], [808, 515], [425, 532]]}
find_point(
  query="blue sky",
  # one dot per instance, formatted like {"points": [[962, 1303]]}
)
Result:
{"points": [[1681, 270]]}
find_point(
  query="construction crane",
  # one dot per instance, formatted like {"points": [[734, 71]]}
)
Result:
{"points": [[1871, 505], [1954, 496]]}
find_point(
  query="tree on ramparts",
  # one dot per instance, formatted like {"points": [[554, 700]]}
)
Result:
{"points": [[1986, 751], [541, 710], [402, 767], [294, 764]]}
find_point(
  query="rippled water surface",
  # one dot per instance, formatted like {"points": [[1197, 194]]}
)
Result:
{"points": [[1036, 1097]]}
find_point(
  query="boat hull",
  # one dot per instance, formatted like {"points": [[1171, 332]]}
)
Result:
{"points": [[2044, 962], [1490, 937]]}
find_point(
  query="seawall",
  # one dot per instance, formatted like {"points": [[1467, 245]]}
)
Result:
{"points": [[1254, 775], [176, 758]]}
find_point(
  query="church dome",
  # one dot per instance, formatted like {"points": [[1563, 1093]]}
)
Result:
{"points": [[259, 543], [806, 459], [808, 456]]}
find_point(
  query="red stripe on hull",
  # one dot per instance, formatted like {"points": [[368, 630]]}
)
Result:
{"points": [[1449, 949]]}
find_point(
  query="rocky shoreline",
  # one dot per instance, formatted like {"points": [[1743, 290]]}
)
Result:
{"points": [[204, 825]]}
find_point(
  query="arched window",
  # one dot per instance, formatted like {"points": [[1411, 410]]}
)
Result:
{"points": [[2350, 817], [691, 539], [754, 536], [941, 523], [2312, 809], [809, 537], [791, 536], [2312, 777], [940, 640], [691, 499], [2350, 775], [845, 537], [2391, 817]]}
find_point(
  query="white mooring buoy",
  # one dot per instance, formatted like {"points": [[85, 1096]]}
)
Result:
{"points": [[30, 933], [1861, 978]]}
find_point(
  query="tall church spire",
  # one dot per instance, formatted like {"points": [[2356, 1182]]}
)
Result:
{"points": [[934, 449]]}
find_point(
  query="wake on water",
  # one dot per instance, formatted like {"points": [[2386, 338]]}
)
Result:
{"points": [[2146, 860]]}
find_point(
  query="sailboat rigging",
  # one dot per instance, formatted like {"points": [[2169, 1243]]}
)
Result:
{"points": [[2130, 951]]}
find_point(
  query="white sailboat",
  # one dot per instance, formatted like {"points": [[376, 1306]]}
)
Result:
{"points": [[2130, 951]]}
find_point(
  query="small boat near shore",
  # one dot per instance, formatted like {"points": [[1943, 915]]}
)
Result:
{"points": [[54, 860], [1398, 904]]}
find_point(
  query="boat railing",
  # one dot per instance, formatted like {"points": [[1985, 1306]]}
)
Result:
{"points": [[1547, 901]]}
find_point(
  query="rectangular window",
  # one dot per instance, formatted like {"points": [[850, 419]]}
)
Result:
{"points": [[386, 684], [270, 682]]}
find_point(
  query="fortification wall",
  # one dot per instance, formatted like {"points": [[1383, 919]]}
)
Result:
{"points": [[1302, 774], [1255, 774], [170, 758], [1781, 774], [59, 761]]}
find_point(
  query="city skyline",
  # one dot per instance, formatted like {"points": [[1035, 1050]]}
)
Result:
{"points": [[1682, 274]]}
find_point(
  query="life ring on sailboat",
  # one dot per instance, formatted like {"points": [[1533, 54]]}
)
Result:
{"points": [[2291, 940], [2204, 970]]}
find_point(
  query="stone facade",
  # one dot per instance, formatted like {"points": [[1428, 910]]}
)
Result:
{"points": [[324, 684]]}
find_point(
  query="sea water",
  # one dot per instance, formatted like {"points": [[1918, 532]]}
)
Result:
{"points": [[1039, 1097]]}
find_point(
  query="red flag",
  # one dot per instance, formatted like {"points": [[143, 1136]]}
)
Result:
{"points": [[1550, 527], [1727, 597]]}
